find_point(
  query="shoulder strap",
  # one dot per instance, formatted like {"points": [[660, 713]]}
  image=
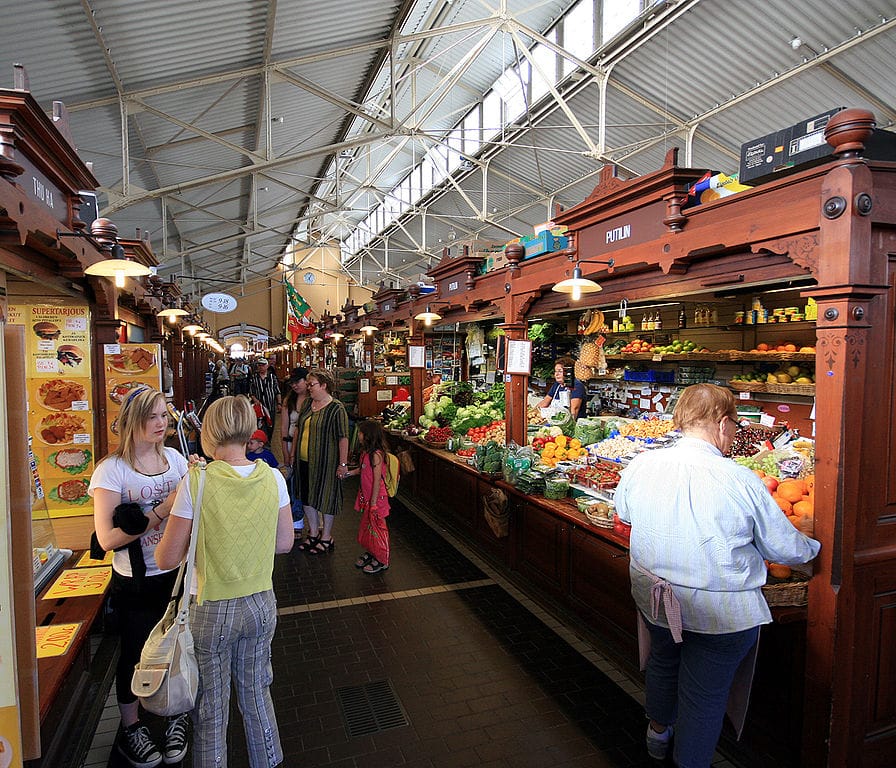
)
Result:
{"points": [[185, 574]]}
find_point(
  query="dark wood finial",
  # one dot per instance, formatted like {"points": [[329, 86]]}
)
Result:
{"points": [[104, 232], [514, 253], [849, 130]]}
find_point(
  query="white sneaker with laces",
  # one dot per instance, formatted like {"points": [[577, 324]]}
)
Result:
{"points": [[658, 743]]}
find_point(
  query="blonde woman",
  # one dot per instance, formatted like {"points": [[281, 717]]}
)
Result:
{"points": [[243, 521], [133, 489]]}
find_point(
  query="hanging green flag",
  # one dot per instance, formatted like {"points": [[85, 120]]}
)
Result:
{"points": [[298, 314]]}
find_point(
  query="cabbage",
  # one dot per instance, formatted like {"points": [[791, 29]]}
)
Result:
{"points": [[565, 421]]}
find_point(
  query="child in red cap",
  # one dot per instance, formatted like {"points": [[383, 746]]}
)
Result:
{"points": [[255, 449]]}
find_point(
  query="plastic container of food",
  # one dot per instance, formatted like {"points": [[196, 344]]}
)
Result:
{"points": [[556, 487]]}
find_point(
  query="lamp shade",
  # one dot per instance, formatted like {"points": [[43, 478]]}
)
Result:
{"points": [[368, 329], [191, 328], [172, 313], [577, 285], [428, 317], [117, 268]]}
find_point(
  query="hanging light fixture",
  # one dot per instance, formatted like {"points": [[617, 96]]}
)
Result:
{"points": [[428, 317], [577, 285], [104, 235], [172, 313], [117, 268], [192, 327], [336, 335], [369, 329]]}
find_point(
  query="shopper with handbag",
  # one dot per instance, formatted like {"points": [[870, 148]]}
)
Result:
{"points": [[245, 511], [133, 489]]}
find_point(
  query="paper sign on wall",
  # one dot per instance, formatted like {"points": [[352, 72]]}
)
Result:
{"points": [[416, 357], [519, 356]]}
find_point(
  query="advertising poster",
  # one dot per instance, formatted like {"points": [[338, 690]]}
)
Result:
{"points": [[127, 367], [60, 408]]}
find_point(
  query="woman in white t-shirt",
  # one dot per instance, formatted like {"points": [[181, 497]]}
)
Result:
{"points": [[133, 489]]}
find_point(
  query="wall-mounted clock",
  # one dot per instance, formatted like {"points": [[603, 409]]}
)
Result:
{"points": [[308, 277]]}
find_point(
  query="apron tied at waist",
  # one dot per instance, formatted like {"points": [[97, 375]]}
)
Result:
{"points": [[661, 592]]}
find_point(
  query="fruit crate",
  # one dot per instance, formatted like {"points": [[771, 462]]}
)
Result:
{"points": [[695, 374]]}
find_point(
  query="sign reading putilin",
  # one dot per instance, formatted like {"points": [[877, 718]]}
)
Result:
{"points": [[219, 302]]}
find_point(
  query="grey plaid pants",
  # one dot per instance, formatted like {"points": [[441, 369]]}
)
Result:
{"points": [[233, 643]]}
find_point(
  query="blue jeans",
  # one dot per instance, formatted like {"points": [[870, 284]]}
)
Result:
{"points": [[688, 686]]}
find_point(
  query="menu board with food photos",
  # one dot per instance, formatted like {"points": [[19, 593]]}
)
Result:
{"points": [[60, 408], [127, 367]]}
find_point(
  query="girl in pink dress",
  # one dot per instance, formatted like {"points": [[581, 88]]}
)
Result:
{"points": [[373, 499]]}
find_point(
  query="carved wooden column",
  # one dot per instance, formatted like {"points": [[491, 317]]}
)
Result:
{"points": [[516, 389], [851, 385], [418, 378], [176, 361]]}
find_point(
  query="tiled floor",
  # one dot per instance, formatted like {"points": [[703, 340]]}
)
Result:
{"points": [[484, 676]]}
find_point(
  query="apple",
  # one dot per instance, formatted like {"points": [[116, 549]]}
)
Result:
{"points": [[770, 482]]}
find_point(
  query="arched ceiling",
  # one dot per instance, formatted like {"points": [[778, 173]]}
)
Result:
{"points": [[226, 128]]}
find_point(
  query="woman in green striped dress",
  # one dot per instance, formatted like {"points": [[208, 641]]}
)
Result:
{"points": [[321, 461]]}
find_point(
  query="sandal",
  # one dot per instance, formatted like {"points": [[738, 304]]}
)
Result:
{"points": [[309, 544], [374, 566], [363, 560], [322, 547]]}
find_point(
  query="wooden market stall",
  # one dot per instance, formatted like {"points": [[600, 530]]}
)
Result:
{"points": [[57, 323], [824, 693]]}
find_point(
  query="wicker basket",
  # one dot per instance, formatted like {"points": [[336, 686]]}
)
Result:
{"points": [[791, 389], [443, 444], [748, 386], [792, 591]]}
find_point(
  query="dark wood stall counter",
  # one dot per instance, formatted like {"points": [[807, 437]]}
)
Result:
{"points": [[65, 680], [554, 553]]}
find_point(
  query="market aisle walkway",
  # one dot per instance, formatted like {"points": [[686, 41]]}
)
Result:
{"points": [[435, 663]]}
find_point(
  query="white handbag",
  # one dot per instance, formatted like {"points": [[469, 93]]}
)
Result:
{"points": [[166, 679]]}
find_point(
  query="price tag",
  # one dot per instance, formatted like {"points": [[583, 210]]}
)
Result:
{"points": [[76, 323], [81, 438], [744, 396], [657, 358], [46, 365], [46, 345], [111, 349], [80, 405], [644, 403]]}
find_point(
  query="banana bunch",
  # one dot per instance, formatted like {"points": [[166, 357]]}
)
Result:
{"points": [[584, 322], [595, 322]]}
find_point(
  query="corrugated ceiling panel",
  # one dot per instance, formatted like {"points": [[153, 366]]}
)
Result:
{"points": [[156, 43], [304, 28]]}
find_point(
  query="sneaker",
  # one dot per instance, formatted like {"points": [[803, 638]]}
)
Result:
{"points": [[176, 732], [138, 747], [658, 743]]}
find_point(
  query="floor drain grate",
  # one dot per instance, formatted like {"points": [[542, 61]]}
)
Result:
{"points": [[370, 708]]}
